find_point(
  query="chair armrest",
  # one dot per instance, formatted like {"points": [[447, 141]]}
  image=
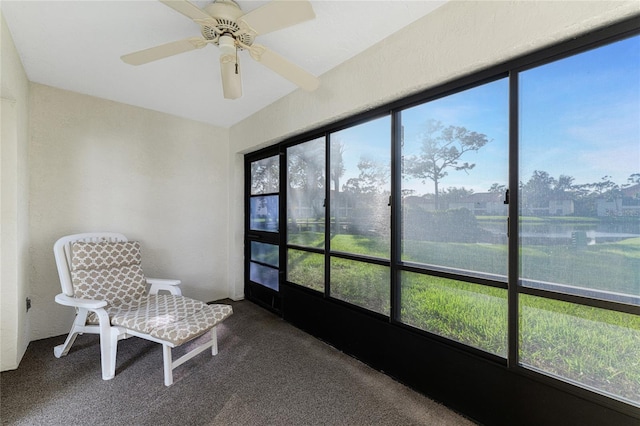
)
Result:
{"points": [[160, 284], [91, 304]]}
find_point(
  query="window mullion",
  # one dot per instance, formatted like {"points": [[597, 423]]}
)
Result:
{"points": [[512, 224]]}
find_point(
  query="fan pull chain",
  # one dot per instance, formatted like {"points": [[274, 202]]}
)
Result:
{"points": [[236, 60]]}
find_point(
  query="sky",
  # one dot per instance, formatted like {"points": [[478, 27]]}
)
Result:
{"points": [[579, 116]]}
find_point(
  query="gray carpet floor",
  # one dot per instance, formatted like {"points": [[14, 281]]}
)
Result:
{"points": [[267, 372]]}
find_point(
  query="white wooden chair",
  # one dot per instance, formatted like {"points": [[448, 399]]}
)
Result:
{"points": [[102, 279]]}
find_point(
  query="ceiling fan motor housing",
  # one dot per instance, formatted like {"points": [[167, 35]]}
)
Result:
{"points": [[226, 13]]}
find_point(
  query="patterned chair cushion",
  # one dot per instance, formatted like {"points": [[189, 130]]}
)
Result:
{"points": [[108, 271], [175, 319]]}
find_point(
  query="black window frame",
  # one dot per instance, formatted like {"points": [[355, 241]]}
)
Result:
{"points": [[510, 69]]}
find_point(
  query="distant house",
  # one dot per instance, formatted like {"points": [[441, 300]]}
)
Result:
{"points": [[561, 207], [482, 203], [628, 204], [632, 192]]}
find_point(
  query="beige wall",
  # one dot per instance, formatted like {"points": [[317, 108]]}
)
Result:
{"points": [[97, 165], [14, 205], [457, 39]]}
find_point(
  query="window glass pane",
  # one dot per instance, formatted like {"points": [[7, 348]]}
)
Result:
{"points": [[305, 197], [264, 275], [472, 314], [306, 269], [580, 174], [264, 213], [360, 283], [265, 253], [360, 188], [454, 177], [595, 347], [265, 176]]}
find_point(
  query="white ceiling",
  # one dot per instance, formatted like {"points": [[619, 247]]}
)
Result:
{"points": [[76, 45]]}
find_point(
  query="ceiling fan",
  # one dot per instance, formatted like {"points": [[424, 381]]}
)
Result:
{"points": [[224, 24]]}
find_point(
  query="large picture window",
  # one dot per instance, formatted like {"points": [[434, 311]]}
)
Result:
{"points": [[454, 179], [360, 164], [579, 216], [580, 174], [360, 188], [500, 215]]}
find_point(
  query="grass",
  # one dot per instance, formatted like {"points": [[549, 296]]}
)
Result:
{"points": [[595, 347]]}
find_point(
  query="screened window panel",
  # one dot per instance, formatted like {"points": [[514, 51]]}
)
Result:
{"points": [[360, 188], [265, 275], [472, 314], [595, 347], [362, 284], [306, 193], [580, 174], [454, 178], [305, 269], [265, 176], [264, 213]]}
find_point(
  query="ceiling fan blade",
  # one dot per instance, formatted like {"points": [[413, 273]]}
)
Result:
{"points": [[282, 66], [276, 15], [230, 68], [163, 51], [187, 9]]}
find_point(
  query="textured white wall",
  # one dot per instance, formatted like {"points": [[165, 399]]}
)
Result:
{"points": [[457, 39], [97, 165], [14, 203]]}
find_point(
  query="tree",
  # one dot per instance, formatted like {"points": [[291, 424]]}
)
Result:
{"points": [[337, 163], [265, 176], [372, 178], [453, 194], [497, 188], [538, 190], [442, 148], [305, 177], [633, 179]]}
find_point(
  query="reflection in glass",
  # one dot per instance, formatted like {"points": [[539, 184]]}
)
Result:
{"points": [[305, 197], [265, 176], [361, 189], [265, 253], [580, 173], [264, 275], [305, 269], [264, 213], [594, 347], [472, 314], [454, 179], [360, 283]]}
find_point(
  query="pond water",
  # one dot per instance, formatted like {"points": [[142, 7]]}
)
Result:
{"points": [[567, 233]]}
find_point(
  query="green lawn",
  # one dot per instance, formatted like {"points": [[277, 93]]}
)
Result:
{"points": [[595, 347]]}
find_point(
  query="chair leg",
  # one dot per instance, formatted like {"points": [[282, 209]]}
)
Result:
{"points": [[168, 367], [214, 341], [79, 321], [108, 348]]}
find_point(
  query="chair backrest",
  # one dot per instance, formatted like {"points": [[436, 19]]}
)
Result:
{"points": [[109, 271], [62, 253]]}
